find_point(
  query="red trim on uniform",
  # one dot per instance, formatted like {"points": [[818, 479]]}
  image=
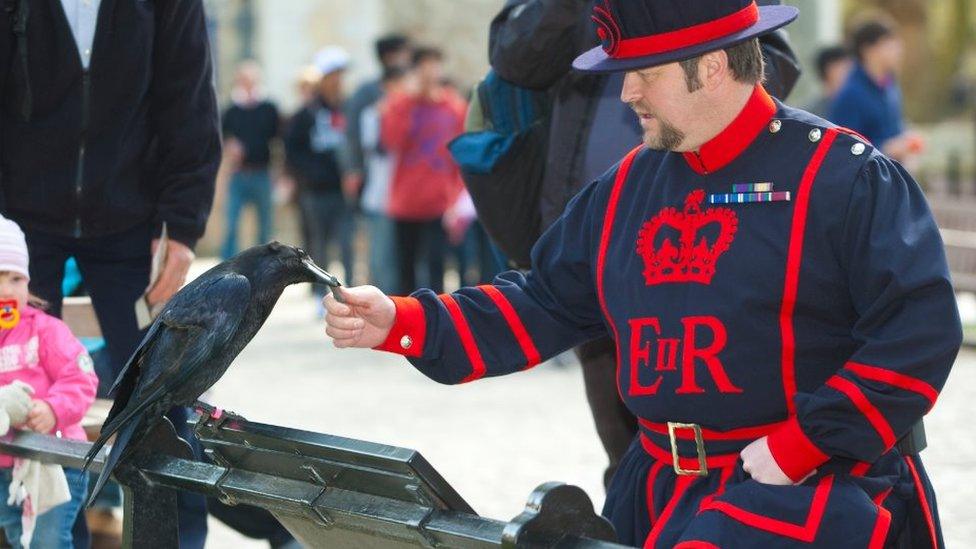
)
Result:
{"points": [[680, 486], [467, 338], [881, 526], [714, 461], [532, 356], [742, 433], [882, 496], [649, 488], [793, 451], [806, 532], [860, 469], [689, 36], [608, 218], [863, 405], [696, 544], [722, 481], [736, 137], [849, 131], [908, 383], [924, 501], [515, 324], [410, 321], [793, 259]]}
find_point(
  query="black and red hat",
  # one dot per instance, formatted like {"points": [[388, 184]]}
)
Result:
{"points": [[637, 34]]}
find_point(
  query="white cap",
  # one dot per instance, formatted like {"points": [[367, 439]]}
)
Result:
{"points": [[13, 248], [330, 59]]}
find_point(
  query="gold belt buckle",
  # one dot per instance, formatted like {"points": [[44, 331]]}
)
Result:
{"points": [[702, 470]]}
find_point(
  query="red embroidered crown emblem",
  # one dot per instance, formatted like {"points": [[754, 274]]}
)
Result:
{"points": [[692, 259]]}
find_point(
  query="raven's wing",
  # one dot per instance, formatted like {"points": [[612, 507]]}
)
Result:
{"points": [[198, 320]]}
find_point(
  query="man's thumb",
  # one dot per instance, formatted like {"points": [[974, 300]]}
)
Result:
{"points": [[359, 296]]}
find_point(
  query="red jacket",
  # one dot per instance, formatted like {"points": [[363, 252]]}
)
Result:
{"points": [[426, 181]]}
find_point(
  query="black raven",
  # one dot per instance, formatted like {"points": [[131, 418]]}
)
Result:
{"points": [[195, 338]]}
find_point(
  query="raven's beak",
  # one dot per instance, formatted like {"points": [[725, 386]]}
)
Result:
{"points": [[325, 278]]}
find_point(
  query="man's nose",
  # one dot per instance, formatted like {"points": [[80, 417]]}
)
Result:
{"points": [[630, 92]]}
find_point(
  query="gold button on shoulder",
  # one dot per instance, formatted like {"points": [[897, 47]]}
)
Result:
{"points": [[775, 126], [858, 149], [406, 342], [815, 135]]}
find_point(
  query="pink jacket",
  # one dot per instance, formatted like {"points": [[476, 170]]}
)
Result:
{"points": [[43, 352]]}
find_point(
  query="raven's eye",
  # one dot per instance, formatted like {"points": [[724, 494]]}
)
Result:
{"points": [[301, 252]]}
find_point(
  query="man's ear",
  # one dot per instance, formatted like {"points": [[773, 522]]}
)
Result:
{"points": [[713, 69]]}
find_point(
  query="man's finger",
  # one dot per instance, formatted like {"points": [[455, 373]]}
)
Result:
{"points": [[167, 279], [170, 282], [333, 307], [359, 296], [344, 322], [344, 342], [339, 333]]}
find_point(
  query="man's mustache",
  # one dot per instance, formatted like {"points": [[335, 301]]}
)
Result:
{"points": [[638, 110]]}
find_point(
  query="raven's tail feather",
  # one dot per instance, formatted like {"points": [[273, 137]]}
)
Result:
{"points": [[127, 416], [121, 442]]}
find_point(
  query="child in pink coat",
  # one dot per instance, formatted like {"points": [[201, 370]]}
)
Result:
{"points": [[40, 350]]}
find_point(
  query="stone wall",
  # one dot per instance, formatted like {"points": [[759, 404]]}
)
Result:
{"points": [[459, 27]]}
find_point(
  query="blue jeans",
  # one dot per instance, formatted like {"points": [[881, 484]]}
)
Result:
{"points": [[52, 529], [383, 270], [327, 219], [247, 187]]}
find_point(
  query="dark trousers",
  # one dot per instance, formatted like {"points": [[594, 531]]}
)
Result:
{"points": [[421, 243], [615, 425], [115, 270], [327, 218]]}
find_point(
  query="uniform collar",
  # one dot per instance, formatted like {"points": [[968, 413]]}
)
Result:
{"points": [[736, 137]]}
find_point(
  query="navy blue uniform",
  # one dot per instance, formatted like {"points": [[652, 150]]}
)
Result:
{"points": [[787, 281]]}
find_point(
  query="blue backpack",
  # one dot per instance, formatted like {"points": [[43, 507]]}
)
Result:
{"points": [[502, 157]]}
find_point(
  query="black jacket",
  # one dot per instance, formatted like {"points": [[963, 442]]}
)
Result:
{"points": [[533, 44], [313, 148], [134, 139]]}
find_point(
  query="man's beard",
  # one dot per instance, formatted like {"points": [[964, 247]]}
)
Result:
{"points": [[669, 138]]}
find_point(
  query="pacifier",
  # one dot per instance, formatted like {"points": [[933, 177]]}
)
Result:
{"points": [[9, 313]]}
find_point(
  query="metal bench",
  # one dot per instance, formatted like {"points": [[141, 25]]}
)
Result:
{"points": [[328, 491]]}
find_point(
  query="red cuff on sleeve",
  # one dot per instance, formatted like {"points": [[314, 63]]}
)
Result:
{"points": [[409, 329], [793, 451]]}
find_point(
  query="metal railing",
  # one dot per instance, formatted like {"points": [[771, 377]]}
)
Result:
{"points": [[327, 491]]}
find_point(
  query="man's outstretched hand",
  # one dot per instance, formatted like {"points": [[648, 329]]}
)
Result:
{"points": [[364, 320]]}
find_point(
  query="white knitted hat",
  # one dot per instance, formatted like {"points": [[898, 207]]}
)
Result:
{"points": [[13, 248]]}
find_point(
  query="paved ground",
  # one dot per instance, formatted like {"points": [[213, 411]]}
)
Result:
{"points": [[496, 440]]}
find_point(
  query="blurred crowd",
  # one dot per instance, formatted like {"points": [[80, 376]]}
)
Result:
{"points": [[375, 186], [860, 90]]}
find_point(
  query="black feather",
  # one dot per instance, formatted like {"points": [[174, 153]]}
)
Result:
{"points": [[194, 340]]}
